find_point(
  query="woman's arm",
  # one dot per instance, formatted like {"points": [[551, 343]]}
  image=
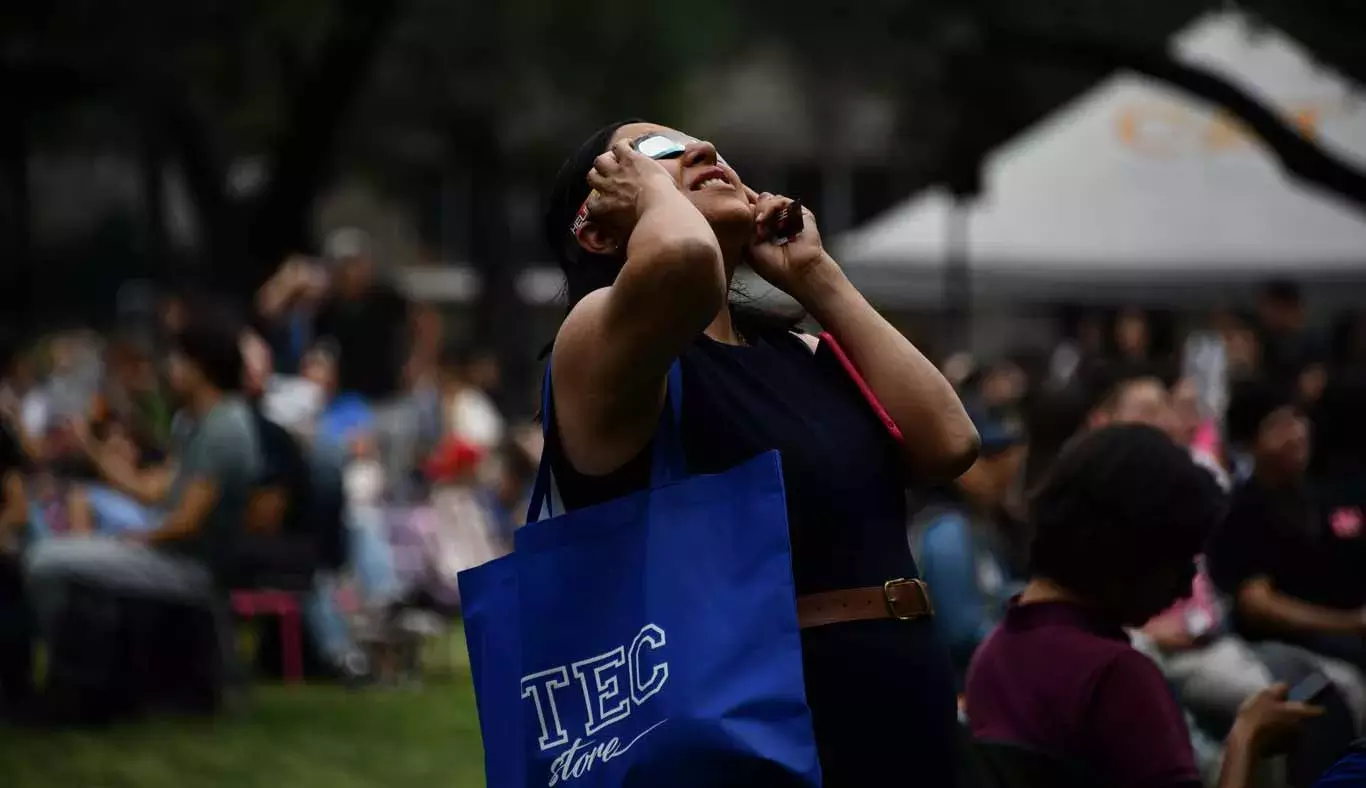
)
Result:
{"points": [[940, 440], [614, 349], [14, 515], [276, 295], [148, 486], [78, 512], [1259, 601], [1239, 759]]}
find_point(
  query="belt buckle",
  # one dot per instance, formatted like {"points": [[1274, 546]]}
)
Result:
{"points": [[903, 582]]}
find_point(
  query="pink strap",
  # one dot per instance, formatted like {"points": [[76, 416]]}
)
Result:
{"points": [[1207, 437], [868, 394]]}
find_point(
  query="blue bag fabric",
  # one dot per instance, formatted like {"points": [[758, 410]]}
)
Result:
{"points": [[1350, 771], [647, 641]]}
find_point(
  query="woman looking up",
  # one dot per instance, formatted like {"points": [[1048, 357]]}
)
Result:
{"points": [[648, 257]]}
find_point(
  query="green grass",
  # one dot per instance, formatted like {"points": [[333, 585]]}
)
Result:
{"points": [[300, 737]]}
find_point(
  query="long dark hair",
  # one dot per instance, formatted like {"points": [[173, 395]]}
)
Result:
{"points": [[585, 271]]}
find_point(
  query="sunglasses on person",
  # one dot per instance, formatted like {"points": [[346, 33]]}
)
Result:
{"points": [[654, 145]]}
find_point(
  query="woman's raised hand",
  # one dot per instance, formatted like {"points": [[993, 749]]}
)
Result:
{"points": [[784, 266], [624, 180]]}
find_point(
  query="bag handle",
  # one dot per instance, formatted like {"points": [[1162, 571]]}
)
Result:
{"points": [[667, 460]]}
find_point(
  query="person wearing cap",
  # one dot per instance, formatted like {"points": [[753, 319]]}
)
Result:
{"points": [[1290, 566], [960, 546]]}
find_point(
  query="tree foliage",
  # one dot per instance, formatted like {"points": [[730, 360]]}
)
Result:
{"points": [[408, 87]]}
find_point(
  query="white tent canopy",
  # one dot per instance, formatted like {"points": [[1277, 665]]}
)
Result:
{"points": [[1136, 180]]}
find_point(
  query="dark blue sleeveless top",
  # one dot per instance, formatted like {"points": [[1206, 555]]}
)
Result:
{"points": [[881, 692]]}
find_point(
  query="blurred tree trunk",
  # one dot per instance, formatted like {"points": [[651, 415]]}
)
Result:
{"points": [[153, 165], [245, 238], [16, 262], [499, 317], [280, 220]]}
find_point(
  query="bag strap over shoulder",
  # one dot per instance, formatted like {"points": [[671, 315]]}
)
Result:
{"points": [[667, 463], [873, 401]]}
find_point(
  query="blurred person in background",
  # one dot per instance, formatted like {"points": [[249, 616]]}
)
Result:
{"points": [[1292, 572], [1081, 350], [1132, 342], [16, 629], [203, 495], [1191, 428], [298, 402], [370, 322], [466, 509], [1053, 416], [959, 369], [962, 543], [1118, 523], [426, 373], [521, 458], [1338, 467], [648, 247], [1288, 348], [1349, 345], [110, 511], [998, 390], [1134, 397], [133, 392], [285, 306], [468, 411]]}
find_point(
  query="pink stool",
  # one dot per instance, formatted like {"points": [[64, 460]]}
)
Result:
{"points": [[252, 603]]}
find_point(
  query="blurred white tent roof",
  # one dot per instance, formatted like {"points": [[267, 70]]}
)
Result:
{"points": [[1135, 180]]}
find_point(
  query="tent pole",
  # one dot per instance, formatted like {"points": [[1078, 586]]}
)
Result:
{"points": [[957, 280]]}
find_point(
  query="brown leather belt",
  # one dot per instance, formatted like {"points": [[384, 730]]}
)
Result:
{"points": [[900, 599]]}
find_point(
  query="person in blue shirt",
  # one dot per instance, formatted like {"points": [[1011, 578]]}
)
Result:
{"points": [[960, 545]]}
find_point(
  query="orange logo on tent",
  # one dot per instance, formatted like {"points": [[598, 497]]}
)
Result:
{"points": [[1168, 129]]}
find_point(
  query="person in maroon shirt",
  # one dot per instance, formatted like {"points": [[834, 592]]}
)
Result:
{"points": [[1118, 523]]}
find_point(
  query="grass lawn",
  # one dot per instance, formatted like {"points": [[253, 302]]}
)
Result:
{"points": [[301, 737]]}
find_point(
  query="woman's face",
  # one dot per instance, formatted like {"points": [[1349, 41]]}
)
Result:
{"points": [[318, 367], [1185, 398], [706, 179], [1131, 333], [256, 363], [1283, 441], [181, 373]]}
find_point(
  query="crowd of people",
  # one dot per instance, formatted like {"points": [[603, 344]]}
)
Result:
{"points": [[1144, 559], [328, 441], [1265, 544]]}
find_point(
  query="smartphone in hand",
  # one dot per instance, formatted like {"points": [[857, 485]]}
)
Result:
{"points": [[1309, 689]]}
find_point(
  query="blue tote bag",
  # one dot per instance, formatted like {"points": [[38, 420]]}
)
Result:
{"points": [[647, 641]]}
